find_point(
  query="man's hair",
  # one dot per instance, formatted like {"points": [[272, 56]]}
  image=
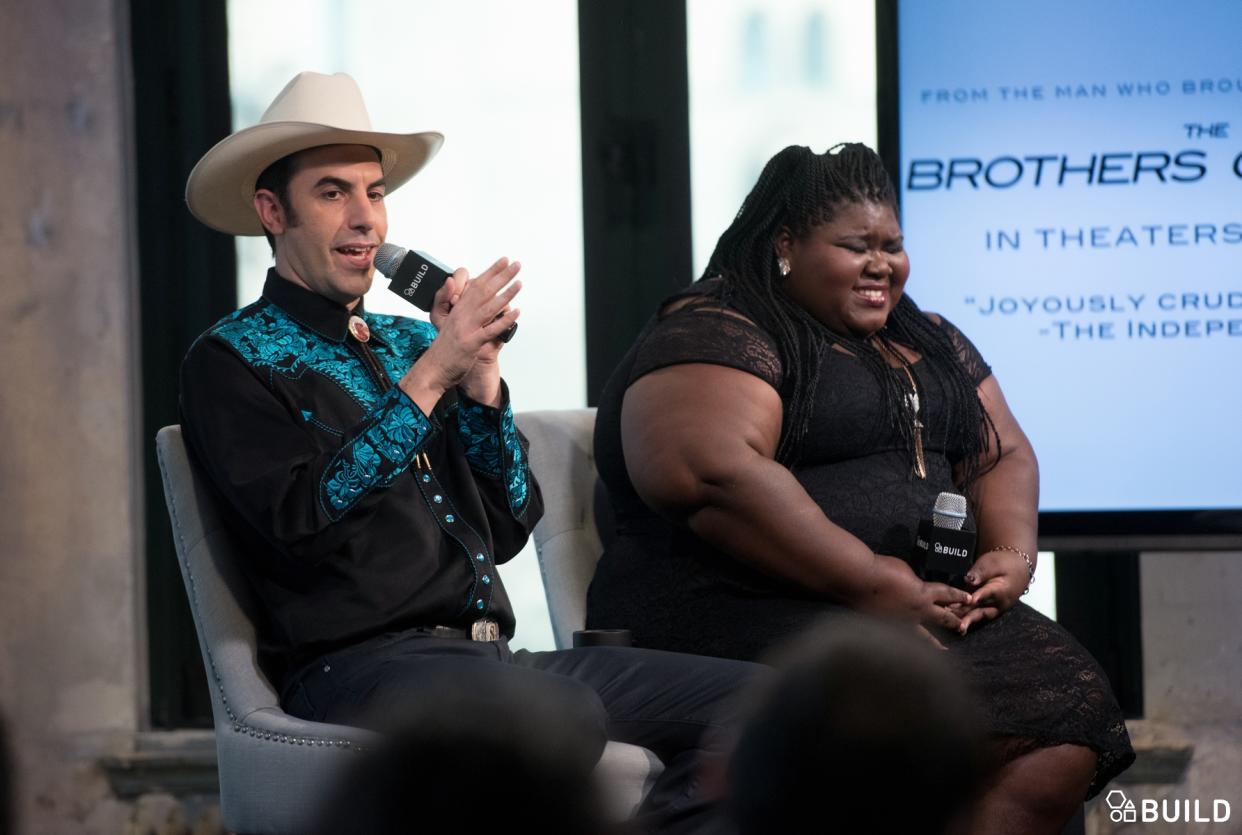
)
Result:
{"points": [[864, 728], [439, 756], [797, 191], [275, 178]]}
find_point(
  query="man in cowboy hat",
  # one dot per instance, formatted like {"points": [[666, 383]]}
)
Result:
{"points": [[371, 466]]}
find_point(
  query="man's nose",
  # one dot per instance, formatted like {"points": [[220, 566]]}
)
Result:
{"points": [[362, 215]]}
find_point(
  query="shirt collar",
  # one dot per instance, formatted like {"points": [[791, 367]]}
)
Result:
{"points": [[309, 309]]}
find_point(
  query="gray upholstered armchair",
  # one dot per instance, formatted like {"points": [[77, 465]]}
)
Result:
{"points": [[563, 460], [274, 767], [568, 543]]}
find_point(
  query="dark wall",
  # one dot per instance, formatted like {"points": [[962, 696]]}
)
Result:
{"points": [[635, 170], [187, 280]]}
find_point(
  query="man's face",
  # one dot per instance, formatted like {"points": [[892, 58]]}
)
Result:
{"points": [[336, 219]]}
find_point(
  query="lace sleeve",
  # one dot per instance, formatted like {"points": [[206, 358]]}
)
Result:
{"points": [[708, 335], [967, 353]]}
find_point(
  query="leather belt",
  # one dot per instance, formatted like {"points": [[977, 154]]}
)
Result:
{"points": [[484, 629]]}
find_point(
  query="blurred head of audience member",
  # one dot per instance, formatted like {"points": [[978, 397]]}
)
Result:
{"points": [[463, 764], [865, 729]]}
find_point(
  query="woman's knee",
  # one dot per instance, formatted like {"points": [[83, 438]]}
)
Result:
{"points": [[1056, 778]]}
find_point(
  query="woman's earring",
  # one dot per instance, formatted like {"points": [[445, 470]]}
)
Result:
{"points": [[782, 264]]}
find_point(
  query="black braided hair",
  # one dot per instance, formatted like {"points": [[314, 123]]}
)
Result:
{"points": [[798, 190]]}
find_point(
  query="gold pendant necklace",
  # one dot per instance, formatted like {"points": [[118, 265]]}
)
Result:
{"points": [[920, 466], [912, 400]]}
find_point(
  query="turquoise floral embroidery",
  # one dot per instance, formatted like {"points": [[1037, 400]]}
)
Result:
{"points": [[402, 430], [407, 428], [515, 471], [404, 341], [377, 455], [267, 337], [477, 429], [492, 448], [353, 477]]}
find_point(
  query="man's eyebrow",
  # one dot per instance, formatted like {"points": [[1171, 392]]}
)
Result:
{"points": [[343, 185]]}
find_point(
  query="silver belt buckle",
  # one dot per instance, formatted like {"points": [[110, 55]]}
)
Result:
{"points": [[485, 629]]}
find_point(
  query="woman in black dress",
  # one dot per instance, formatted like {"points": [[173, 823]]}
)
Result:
{"points": [[770, 443]]}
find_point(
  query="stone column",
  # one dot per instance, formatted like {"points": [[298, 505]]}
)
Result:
{"points": [[71, 681]]}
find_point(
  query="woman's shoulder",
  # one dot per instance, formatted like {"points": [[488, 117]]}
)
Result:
{"points": [[969, 355], [700, 325]]}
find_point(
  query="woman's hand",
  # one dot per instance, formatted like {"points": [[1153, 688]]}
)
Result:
{"points": [[1006, 502], [894, 591], [998, 578]]}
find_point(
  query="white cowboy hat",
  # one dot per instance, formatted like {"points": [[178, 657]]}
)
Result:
{"points": [[312, 110]]}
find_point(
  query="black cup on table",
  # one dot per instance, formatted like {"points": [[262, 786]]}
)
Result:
{"points": [[603, 638]]}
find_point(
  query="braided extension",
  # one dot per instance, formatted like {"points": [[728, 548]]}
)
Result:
{"points": [[799, 190]]}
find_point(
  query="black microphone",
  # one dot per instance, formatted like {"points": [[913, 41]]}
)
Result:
{"points": [[943, 551], [417, 277]]}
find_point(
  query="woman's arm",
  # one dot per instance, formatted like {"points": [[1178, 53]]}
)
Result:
{"points": [[699, 443], [1006, 503]]}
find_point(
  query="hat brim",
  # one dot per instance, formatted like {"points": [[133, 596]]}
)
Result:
{"points": [[220, 189]]}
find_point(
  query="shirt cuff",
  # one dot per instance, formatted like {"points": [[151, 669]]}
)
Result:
{"points": [[376, 454], [492, 445]]}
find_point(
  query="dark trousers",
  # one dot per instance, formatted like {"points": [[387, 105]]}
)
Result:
{"points": [[678, 706]]}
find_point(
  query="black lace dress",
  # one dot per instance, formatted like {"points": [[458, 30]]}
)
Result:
{"points": [[1038, 685]]}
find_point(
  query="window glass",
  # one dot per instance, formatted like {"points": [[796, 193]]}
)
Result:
{"points": [[767, 75]]}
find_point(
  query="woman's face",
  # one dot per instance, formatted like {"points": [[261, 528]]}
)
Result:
{"points": [[849, 273]]}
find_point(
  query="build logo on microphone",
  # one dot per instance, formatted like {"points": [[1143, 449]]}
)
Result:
{"points": [[1122, 809]]}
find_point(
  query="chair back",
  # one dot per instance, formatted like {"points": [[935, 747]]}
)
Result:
{"points": [[274, 768], [221, 600], [563, 460]]}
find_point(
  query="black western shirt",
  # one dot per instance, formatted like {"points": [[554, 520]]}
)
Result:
{"points": [[356, 513]]}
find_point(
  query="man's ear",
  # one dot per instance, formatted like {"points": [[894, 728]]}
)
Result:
{"points": [[271, 213]]}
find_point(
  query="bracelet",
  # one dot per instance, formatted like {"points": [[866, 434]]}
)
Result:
{"points": [[1030, 567]]}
